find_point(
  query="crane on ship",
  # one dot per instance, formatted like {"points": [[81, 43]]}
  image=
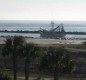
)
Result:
{"points": [[57, 32]]}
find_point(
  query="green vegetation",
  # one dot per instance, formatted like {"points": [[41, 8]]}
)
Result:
{"points": [[4, 76], [52, 61], [56, 60], [29, 52], [34, 76], [12, 48]]}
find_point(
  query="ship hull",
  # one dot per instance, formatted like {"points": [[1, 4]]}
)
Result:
{"points": [[48, 34]]}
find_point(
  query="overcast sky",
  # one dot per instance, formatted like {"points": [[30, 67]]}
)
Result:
{"points": [[43, 10]]}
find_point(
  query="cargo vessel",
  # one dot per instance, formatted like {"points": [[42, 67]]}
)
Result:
{"points": [[57, 32]]}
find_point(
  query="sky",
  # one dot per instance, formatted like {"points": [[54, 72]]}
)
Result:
{"points": [[65, 10]]}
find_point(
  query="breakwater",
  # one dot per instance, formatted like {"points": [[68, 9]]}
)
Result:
{"points": [[20, 31]]}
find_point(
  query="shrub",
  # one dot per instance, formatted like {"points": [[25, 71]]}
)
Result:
{"points": [[4, 77]]}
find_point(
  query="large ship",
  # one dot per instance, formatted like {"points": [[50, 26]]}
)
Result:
{"points": [[57, 32]]}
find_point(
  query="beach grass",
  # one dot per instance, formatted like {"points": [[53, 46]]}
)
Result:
{"points": [[33, 76]]}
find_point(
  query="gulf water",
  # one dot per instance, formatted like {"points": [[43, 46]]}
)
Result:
{"points": [[69, 26]]}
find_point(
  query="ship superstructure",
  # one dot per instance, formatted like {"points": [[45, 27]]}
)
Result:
{"points": [[57, 32]]}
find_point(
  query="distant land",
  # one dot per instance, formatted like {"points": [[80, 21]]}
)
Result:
{"points": [[44, 21]]}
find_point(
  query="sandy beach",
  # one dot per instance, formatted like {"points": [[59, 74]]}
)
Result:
{"points": [[54, 41], [47, 41]]}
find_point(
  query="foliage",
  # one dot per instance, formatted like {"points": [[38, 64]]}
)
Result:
{"points": [[84, 43], [30, 50], [56, 60], [4, 77], [12, 48], [12, 44]]}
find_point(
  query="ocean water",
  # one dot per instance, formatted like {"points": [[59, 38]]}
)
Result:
{"points": [[72, 26], [21, 34], [37, 26]]}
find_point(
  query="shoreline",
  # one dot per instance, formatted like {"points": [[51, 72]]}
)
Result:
{"points": [[47, 41]]}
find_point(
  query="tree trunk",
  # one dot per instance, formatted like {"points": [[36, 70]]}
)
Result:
{"points": [[27, 63], [15, 66], [56, 74]]}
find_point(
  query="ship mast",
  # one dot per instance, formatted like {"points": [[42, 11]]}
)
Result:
{"points": [[52, 25]]}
